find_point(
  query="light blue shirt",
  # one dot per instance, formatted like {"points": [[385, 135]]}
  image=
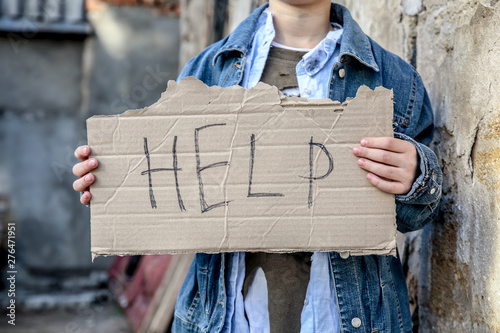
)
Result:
{"points": [[320, 312], [313, 71]]}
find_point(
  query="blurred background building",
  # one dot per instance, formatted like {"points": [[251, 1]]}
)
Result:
{"points": [[62, 61], [61, 64]]}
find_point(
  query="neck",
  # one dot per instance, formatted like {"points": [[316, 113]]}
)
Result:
{"points": [[301, 26]]}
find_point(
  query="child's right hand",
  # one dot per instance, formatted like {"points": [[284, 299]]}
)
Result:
{"points": [[82, 170]]}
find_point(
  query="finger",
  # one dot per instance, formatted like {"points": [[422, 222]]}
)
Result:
{"points": [[85, 198], [82, 152], [83, 183], [381, 170], [386, 185], [387, 143], [84, 167], [380, 155]]}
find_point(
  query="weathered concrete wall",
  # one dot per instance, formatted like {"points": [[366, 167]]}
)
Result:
{"points": [[455, 46], [195, 26], [459, 59]]}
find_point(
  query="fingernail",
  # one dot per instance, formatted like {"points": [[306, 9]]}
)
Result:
{"points": [[85, 149], [356, 150], [363, 142], [369, 176], [361, 161], [88, 178], [92, 163]]}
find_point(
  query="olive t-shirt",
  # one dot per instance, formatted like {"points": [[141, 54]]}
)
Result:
{"points": [[287, 274]]}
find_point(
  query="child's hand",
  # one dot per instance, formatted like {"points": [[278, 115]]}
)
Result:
{"points": [[392, 163], [82, 170]]}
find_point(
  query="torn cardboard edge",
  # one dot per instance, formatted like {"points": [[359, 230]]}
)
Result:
{"points": [[362, 252], [210, 169]]}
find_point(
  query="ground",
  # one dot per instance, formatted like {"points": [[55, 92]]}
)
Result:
{"points": [[104, 317]]}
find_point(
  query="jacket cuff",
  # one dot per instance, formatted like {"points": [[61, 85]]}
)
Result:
{"points": [[426, 189]]}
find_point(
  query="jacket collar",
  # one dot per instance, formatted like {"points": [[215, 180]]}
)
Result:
{"points": [[354, 42], [241, 38]]}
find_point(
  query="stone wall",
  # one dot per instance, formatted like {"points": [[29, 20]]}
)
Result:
{"points": [[455, 263]]}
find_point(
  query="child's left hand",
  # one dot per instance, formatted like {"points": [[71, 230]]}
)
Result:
{"points": [[391, 163]]}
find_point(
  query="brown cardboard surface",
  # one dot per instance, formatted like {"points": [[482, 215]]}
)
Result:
{"points": [[210, 169]]}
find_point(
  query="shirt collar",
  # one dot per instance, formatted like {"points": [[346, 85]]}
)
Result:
{"points": [[241, 38], [314, 60]]}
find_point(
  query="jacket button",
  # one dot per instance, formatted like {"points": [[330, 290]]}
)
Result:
{"points": [[344, 255], [341, 73], [433, 191], [356, 322]]}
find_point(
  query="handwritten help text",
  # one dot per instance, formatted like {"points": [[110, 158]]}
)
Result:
{"points": [[200, 168]]}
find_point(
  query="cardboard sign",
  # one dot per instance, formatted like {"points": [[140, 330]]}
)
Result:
{"points": [[210, 169]]}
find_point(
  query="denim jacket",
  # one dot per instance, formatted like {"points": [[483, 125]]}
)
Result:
{"points": [[371, 290]]}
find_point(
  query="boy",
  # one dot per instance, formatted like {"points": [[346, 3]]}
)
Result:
{"points": [[313, 49]]}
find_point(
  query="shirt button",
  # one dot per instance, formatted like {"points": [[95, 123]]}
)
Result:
{"points": [[344, 255], [356, 322], [306, 91], [433, 191], [341, 73]]}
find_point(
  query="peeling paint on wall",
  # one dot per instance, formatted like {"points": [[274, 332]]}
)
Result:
{"points": [[487, 166]]}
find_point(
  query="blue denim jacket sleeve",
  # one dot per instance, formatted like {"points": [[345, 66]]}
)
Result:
{"points": [[419, 205]]}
